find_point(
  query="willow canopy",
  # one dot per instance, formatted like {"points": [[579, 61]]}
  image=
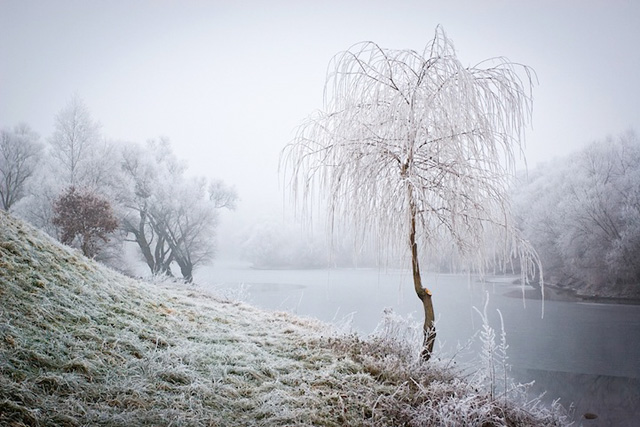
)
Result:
{"points": [[418, 150]]}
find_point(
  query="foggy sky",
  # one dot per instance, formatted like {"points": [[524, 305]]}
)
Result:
{"points": [[228, 81]]}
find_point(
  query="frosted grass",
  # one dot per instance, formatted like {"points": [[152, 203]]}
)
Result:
{"points": [[83, 345]]}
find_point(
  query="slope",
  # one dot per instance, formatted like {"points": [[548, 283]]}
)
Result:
{"points": [[83, 345]]}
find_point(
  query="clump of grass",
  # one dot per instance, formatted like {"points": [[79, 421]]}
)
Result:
{"points": [[83, 345], [434, 394]]}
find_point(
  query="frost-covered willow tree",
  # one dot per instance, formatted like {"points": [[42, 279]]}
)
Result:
{"points": [[419, 150]]}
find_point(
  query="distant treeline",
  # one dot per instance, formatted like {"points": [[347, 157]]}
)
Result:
{"points": [[582, 214]]}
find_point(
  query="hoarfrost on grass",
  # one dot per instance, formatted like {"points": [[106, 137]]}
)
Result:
{"points": [[83, 345]]}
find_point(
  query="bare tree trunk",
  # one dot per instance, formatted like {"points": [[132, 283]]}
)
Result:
{"points": [[429, 328], [186, 269], [163, 256], [141, 240]]}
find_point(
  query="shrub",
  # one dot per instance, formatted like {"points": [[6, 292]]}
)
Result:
{"points": [[83, 216]]}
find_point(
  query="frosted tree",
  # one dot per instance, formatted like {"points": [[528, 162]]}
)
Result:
{"points": [[418, 150], [185, 216], [172, 218], [73, 140], [20, 152], [582, 213], [140, 175], [74, 155]]}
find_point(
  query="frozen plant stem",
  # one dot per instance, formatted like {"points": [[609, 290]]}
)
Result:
{"points": [[502, 348]]}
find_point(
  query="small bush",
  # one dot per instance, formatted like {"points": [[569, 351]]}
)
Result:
{"points": [[85, 216]]}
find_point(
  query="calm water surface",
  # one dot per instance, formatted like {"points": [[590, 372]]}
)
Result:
{"points": [[587, 354]]}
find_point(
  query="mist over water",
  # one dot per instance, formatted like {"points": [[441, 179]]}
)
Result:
{"points": [[584, 353]]}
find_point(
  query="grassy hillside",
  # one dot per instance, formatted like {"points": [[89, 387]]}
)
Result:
{"points": [[83, 345]]}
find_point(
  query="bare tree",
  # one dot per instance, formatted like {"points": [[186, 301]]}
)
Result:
{"points": [[417, 149], [143, 173], [221, 195], [19, 154], [186, 219], [73, 139], [75, 155], [171, 218]]}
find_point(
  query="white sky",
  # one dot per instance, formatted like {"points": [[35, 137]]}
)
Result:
{"points": [[229, 81]]}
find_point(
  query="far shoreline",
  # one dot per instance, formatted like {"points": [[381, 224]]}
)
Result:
{"points": [[556, 293]]}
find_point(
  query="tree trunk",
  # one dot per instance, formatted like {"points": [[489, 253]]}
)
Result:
{"points": [[429, 328], [85, 245], [141, 240], [186, 269]]}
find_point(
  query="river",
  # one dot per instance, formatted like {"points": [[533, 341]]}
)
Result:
{"points": [[584, 353]]}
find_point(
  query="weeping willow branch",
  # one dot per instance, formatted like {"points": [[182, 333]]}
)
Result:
{"points": [[418, 150]]}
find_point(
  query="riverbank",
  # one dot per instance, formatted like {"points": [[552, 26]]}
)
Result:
{"points": [[83, 345], [559, 293]]}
